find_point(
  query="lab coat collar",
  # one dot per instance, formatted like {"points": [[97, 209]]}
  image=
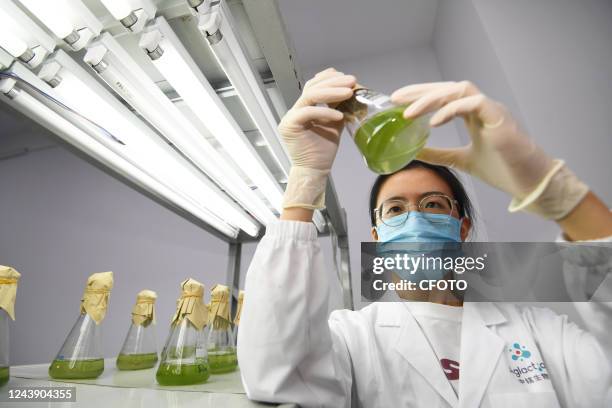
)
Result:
{"points": [[413, 346], [480, 351], [489, 313]]}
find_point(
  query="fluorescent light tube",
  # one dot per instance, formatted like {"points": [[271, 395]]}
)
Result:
{"points": [[217, 25], [123, 75], [6, 59], [17, 29], [74, 87], [69, 20], [52, 14], [33, 108], [120, 9], [133, 14], [12, 44], [174, 63], [232, 58]]}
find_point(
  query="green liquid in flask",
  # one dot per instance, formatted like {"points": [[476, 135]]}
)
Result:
{"points": [[183, 374], [136, 361], [4, 375], [388, 142], [222, 361], [76, 369]]}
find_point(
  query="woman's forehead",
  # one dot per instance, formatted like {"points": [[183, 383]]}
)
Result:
{"points": [[412, 184]]}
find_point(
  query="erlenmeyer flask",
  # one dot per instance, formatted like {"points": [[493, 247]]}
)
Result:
{"points": [[221, 346], [9, 278], [385, 139], [238, 314], [81, 354], [139, 349], [4, 348], [184, 360]]}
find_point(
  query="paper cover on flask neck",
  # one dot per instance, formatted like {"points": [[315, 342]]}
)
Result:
{"points": [[9, 278]]}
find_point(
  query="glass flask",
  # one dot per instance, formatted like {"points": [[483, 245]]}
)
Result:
{"points": [[139, 349], [80, 356], [4, 348], [9, 278], [184, 359], [385, 139], [221, 346], [238, 314]]}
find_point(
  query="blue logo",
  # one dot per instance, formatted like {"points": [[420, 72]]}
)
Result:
{"points": [[519, 352]]}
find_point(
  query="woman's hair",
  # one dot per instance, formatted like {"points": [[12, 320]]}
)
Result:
{"points": [[465, 205]]}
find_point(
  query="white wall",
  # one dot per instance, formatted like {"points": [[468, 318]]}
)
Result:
{"points": [[559, 65], [62, 219], [550, 62]]}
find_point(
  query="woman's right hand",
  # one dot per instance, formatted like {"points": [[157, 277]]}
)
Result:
{"points": [[311, 134]]}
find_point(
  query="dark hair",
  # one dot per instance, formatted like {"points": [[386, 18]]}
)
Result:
{"points": [[465, 204]]}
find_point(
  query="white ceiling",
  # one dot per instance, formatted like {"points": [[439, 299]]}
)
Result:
{"points": [[327, 31]]}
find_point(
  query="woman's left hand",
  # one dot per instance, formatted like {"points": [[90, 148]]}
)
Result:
{"points": [[500, 153]]}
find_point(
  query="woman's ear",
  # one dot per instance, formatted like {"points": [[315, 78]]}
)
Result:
{"points": [[466, 226], [374, 234]]}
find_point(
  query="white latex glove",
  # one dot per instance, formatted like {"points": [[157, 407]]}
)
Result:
{"points": [[500, 153], [311, 135]]}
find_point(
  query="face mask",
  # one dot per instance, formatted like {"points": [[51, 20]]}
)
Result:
{"points": [[431, 229], [417, 227]]}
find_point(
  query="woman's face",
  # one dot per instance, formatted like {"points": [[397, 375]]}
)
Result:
{"points": [[412, 185]]}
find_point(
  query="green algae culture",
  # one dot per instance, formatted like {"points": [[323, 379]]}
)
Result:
{"points": [[388, 142], [80, 356], [170, 373], [139, 350], [9, 279], [76, 369], [221, 344], [136, 361], [184, 360], [4, 375], [222, 361]]}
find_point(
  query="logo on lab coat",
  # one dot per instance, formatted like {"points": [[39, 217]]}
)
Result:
{"points": [[529, 373], [519, 352], [451, 368]]}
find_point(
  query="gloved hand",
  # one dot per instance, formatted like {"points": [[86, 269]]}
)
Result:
{"points": [[311, 135], [500, 153]]}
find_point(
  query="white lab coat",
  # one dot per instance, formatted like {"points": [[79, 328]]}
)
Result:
{"points": [[290, 349]]}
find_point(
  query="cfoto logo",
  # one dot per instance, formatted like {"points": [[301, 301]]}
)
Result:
{"points": [[519, 352]]}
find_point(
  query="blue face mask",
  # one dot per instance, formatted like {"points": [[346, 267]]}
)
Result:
{"points": [[418, 228]]}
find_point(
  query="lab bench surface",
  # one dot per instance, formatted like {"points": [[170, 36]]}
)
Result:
{"points": [[115, 388]]}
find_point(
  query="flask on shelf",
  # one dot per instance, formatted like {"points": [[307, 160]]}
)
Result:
{"points": [[221, 346], [184, 359], [81, 355], [139, 349], [9, 279]]}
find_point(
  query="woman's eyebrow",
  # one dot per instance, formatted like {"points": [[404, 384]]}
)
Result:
{"points": [[431, 193], [395, 198], [422, 195]]}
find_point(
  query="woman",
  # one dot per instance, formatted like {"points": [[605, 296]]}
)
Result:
{"points": [[432, 354]]}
